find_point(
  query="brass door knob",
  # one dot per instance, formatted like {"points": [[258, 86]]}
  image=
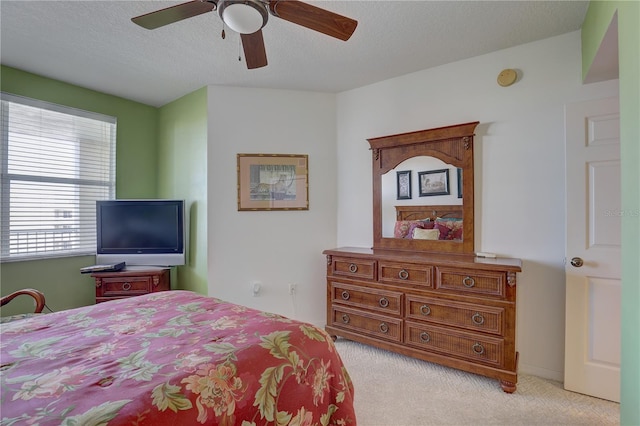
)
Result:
{"points": [[577, 262]]}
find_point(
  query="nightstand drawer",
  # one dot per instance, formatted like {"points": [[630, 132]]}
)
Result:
{"points": [[405, 274], [377, 326], [127, 283], [388, 302], [477, 348], [477, 282], [353, 268], [129, 286], [474, 317]]}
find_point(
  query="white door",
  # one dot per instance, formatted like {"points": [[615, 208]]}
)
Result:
{"points": [[593, 266]]}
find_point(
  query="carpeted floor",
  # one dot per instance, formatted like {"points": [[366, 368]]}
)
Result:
{"points": [[394, 390]]}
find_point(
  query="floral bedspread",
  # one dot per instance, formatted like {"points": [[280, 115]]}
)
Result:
{"points": [[170, 358]]}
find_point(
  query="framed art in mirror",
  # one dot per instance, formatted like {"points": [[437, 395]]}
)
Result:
{"points": [[404, 185], [434, 182], [273, 182]]}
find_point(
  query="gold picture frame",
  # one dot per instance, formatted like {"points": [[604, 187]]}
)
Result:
{"points": [[273, 182]]}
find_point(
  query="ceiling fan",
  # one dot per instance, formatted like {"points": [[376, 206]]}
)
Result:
{"points": [[248, 17]]}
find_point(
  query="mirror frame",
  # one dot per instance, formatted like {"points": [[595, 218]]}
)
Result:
{"points": [[451, 144]]}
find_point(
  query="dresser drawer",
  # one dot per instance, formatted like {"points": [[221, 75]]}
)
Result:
{"points": [[377, 326], [473, 347], [471, 281], [405, 274], [353, 268], [126, 286], [388, 302], [486, 319]]}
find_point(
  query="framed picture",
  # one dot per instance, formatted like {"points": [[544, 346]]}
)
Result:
{"points": [[459, 182], [434, 182], [404, 185], [273, 182]]}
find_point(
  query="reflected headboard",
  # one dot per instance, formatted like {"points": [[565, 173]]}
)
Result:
{"points": [[431, 212]]}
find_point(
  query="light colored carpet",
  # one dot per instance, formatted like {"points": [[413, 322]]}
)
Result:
{"points": [[395, 390]]}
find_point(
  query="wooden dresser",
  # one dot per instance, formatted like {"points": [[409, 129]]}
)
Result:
{"points": [[127, 283], [451, 309]]}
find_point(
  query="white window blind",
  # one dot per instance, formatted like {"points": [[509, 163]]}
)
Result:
{"points": [[56, 162]]}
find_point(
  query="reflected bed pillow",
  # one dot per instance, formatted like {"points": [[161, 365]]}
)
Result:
{"points": [[450, 229], [426, 234], [418, 225], [404, 228]]}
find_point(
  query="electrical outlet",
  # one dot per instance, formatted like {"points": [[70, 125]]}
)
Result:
{"points": [[292, 289], [255, 287]]}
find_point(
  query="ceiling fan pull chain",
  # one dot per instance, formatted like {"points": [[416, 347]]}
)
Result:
{"points": [[239, 49], [224, 35]]}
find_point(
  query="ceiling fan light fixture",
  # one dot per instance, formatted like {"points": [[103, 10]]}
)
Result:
{"points": [[243, 16]]}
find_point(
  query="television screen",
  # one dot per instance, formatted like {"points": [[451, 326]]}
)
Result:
{"points": [[140, 232]]}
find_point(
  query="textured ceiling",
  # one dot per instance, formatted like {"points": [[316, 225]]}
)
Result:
{"points": [[94, 44]]}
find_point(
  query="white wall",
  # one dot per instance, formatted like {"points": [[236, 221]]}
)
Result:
{"points": [[520, 200], [519, 147], [276, 248]]}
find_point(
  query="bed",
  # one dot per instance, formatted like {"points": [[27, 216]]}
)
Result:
{"points": [[171, 358], [428, 212], [441, 222]]}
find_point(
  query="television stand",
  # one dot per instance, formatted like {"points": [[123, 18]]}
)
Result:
{"points": [[131, 282]]}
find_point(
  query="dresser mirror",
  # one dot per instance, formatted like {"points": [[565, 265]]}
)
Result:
{"points": [[423, 190], [430, 181]]}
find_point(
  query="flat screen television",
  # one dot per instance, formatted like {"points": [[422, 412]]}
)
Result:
{"points": [[140, 232]]}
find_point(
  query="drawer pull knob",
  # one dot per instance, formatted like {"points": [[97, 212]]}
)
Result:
{"points": [[345, 295], [424, 337], [477, 319], [425, 309], [403, 274], [478, 349], [353, 268], [384, 302], [345, 318], [468, 282], [126, 286], [384, 328]]}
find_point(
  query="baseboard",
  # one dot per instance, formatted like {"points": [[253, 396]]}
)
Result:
{"points": [[541, 372], [317, 324]]}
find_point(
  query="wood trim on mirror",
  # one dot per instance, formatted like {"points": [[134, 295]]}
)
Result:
{"points": [[451, 144]]}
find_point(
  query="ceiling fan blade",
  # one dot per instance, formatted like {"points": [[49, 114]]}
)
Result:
{"points": [[254, 51], [173, 14], [314, 18]]}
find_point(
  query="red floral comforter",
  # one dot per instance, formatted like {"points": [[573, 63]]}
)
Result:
{"points": [[171, 358]]}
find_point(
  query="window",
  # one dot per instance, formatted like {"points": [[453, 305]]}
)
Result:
{"points": [[55, 163]]}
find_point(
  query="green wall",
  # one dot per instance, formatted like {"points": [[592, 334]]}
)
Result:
{"points": [[161, 153], [182, 145], [597, 21], [136, 177], [136, 151]]}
